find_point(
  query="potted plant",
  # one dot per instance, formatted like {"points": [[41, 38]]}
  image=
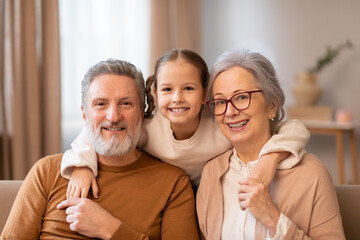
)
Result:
{"points": [[307, 92]]}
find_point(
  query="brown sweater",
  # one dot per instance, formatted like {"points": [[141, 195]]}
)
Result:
{"points": [[154, 200]]}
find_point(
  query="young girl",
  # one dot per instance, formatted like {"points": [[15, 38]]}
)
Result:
{"points": [[182, 132]]}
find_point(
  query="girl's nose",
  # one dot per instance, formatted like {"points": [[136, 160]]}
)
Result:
{"points": [[177, 97]]}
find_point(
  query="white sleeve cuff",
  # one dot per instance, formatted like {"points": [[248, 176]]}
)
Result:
{"points": [[292, 137], [282, 228], [82, 154]]}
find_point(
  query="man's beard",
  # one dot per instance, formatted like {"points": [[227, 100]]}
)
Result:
{"points": [[114, 146]]}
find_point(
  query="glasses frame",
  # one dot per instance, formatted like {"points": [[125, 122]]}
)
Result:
{"points": [[230, 101]]}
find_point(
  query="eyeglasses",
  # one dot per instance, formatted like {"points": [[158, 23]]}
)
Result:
{"points": [[240, 101]]}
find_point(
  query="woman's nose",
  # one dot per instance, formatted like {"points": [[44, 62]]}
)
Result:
{"points": [[231, 110]]}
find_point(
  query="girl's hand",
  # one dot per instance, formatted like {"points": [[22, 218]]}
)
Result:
{"points": [[265, 169], [254, 196], [82, 178]]}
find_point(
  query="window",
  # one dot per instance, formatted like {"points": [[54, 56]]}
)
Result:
{"points": [[92, 31]]}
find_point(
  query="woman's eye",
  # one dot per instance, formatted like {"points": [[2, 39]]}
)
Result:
{"points": [[219, 102]]}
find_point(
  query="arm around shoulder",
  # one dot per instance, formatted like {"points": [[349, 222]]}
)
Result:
{"points": [[292, 137], [82, 154]]}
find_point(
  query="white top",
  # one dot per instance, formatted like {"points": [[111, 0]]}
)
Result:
{"points": [[238, 224], [191, 154]]}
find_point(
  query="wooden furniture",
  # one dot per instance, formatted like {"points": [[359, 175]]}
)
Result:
{"points": [[338, 130]]}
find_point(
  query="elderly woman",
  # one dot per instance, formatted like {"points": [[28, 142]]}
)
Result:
{"points": [[300, 203]]}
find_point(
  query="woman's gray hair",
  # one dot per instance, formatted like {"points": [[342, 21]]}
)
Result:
{"points": [[116, 67], [265, 78]]}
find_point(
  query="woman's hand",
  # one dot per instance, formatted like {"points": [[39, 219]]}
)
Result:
{"points": [[254, 196], [82, 178]]}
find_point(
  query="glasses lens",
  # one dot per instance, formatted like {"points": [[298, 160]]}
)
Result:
{"points": [[241, 100], [217, 106]]}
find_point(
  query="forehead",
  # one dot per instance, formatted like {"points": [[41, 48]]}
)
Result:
{"points": [[178, 71], [110, 86], [233, 79]]}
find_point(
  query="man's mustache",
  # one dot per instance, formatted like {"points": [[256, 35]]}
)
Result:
{"points": [[119, 124]]}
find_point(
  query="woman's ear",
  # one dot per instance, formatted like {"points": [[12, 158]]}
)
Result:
{"points": [[272, 111]]}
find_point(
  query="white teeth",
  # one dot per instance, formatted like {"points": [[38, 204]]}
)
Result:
{"points": [[178, 109], [114, 129], [237, 125]]}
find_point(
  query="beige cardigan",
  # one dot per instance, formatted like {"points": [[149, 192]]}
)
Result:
{"points": [[305, 194]]}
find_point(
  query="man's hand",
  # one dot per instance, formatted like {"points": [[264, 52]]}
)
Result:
{"points": [[89, 218], [82, 178]]}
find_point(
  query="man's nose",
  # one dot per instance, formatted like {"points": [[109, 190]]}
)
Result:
{"points": [[177, 96], [113, 114]]}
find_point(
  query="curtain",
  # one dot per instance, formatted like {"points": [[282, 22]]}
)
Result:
{"points": [[29, 84], [174, 24]]}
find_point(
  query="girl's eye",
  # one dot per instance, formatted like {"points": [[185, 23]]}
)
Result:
{"points": [[166, 89], [189, 88]]}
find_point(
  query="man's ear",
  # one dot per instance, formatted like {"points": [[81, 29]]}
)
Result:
{"points": [[83, 113]]}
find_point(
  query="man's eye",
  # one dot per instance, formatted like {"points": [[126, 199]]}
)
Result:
{"points": [[99, 104], [127, 104]]}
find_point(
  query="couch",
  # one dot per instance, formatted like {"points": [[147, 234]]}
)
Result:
{"points": [[348, 196]]}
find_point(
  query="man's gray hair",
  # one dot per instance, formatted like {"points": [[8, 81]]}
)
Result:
{"points": [[116, 67], [265, 78]]}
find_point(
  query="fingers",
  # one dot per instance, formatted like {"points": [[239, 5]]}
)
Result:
{"points": [[68, 203], [95, 188], [84, 192]]}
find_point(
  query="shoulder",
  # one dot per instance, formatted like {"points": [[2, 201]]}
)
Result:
{"points": [[217, 165], [49, 162], [310, 170], [312, 165]]}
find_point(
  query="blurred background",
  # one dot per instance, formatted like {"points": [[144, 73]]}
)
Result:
{"points": [[48, 45]]}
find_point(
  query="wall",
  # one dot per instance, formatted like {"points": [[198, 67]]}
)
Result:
{"points": [[293, 34]]}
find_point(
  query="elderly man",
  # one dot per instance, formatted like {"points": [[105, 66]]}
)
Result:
{"points": [[141, 197]]}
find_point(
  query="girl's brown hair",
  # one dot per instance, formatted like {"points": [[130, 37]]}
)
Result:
{"points": [[189, 56]]}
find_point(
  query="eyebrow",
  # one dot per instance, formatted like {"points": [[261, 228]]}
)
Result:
{"points": [[236, 91], [106, 99]]}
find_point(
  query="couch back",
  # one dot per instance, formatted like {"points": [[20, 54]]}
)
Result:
{"points": [[348, 196], [8, 191]]}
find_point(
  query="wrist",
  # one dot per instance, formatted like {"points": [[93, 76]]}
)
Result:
{"points": [[273, 222], [111, 229], [275, 157]]}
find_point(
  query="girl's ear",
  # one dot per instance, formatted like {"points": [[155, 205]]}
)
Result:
{"points": [[155, 94]]}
